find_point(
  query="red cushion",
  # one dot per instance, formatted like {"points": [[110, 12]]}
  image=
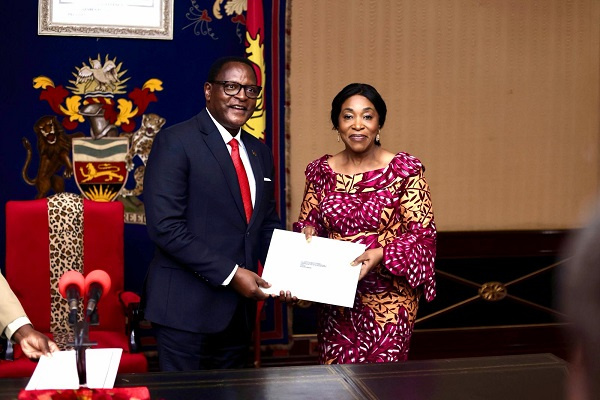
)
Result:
{"points": [[103, 249], [27, 258]]}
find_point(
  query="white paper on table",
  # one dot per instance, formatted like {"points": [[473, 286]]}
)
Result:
{"points": [[318, 270], [56, 372], [101, 367], [60, 370]]}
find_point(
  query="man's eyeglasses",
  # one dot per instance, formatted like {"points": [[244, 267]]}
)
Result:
{"points": [[233, 88]]}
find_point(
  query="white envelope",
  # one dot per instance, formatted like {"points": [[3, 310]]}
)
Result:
{"points": [[318, 270]]}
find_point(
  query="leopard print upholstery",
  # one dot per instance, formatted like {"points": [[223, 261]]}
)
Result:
{"points": [[65, 219]]}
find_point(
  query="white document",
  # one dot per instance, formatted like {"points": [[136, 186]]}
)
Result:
{"points": [[60, 370], [318, 270], [56, 372], [101, 367]]}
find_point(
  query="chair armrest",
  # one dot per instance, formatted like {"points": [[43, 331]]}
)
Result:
{"points": [[126, 298], [133, 315], [6, 350]]}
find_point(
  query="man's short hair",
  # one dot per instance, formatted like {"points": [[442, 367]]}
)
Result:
{"points": [[218, 65]]}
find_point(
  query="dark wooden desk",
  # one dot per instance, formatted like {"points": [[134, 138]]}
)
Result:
{"points": [[530, 377]]}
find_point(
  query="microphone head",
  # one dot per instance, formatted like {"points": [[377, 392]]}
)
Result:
{"points": [[70, 278], [100, 277]]}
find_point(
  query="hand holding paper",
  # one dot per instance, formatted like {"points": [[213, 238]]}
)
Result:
{"points": [[318, 270], [368, 260]]}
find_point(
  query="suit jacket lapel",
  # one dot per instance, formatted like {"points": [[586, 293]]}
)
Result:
{"points": [[214, 141]]}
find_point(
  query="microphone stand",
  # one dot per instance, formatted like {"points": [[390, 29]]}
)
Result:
{"points": [[82, 343]]}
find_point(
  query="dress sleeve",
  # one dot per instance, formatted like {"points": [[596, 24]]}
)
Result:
{"points": [[412, 252], [309, 210]]}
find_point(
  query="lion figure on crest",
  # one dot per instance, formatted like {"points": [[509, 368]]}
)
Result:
{"points": [[54, 148]]}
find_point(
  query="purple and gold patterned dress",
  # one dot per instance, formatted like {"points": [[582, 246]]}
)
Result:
{"points": [[389, 208]]}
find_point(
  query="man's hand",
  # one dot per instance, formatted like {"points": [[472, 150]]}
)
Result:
{"points": [[368, 260], [286, 297], [33, 343], [248, 284]]}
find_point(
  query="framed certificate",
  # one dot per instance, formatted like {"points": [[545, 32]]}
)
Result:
{"points": [[143, 19], [318, 270]]}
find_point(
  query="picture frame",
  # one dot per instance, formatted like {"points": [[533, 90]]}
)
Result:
{"points": [[139, 19]]}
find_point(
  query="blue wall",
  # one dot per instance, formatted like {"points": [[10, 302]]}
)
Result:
{"points": [[181, 64]]}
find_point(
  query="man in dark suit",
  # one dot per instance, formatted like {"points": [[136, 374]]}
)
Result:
{"points": [[202, 285]]}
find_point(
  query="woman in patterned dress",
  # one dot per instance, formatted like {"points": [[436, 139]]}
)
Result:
{"points": [[369, 195]]}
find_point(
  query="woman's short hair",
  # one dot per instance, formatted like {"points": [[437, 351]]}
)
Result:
{"points": [[362, 89]]}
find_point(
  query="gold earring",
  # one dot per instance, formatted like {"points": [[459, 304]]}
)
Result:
{"points": [[338, 138], [377, 137]]}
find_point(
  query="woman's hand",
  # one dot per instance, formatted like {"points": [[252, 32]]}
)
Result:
{"points": [[368, 260], [309, 232]]}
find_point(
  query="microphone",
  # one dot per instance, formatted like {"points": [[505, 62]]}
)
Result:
{"points": [[97, 282], [70, 286]]}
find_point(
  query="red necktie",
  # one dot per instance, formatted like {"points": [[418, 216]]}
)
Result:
{"points": [[242, 178]]}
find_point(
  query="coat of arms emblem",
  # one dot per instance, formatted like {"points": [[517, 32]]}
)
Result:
{"points": [[99, 166], [121, 132]]}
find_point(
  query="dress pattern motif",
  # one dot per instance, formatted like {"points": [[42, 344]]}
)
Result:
{"points": [[390, 208]]}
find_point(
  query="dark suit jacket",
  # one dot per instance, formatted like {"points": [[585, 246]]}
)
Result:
{"points": [[195, 216]]}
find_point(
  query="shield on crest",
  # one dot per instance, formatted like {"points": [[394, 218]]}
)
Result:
{"points": [[99, 166]]}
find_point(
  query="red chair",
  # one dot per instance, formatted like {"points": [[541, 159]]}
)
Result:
{"points": [[46, 238]]}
